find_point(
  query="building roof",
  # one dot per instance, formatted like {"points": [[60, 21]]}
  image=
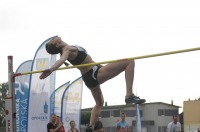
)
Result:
{"points": [[124, 105]]}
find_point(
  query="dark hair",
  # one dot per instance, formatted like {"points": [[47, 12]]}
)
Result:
{"points": [[175, 116], [122, 113], [98, 125], [71, 122], [52, 49]]}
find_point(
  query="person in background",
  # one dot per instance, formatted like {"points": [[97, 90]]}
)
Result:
{"points": [[98, 127], [58, 121], [174, 125], [122, 126], [72, 127], [52, 126]]}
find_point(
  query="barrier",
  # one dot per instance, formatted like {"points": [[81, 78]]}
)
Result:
{"points": [[117, 60]]}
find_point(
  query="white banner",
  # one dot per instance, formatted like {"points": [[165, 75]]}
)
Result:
{"points": [[56, 99], [71, 103], [40, 91]]}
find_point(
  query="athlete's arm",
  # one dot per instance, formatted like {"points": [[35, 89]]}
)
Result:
{"points": [[62, 59]]}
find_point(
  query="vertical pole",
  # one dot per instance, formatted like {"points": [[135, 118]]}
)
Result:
{"points": [[10, 99], [138, 119]]}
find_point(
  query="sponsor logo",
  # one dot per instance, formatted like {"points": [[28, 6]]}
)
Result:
{"points": [[42, 63], [45, 107], [42, 116], [73, 97]]}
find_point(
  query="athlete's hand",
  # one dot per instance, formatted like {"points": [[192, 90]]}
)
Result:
{"points": [[45, 73]]}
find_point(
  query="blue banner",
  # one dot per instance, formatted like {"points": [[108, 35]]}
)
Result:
{"points": [[22, 96]]}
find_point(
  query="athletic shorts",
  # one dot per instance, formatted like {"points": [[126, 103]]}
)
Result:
{"points": [[90, 77]]}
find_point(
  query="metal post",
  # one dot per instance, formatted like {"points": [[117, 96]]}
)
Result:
{"points": [[10, 99], [138, 119]]}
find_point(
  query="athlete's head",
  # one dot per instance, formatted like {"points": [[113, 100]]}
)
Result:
{"points": [[53, 46]]}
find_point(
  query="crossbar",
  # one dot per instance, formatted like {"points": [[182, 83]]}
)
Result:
{"points": [[117, 60]]}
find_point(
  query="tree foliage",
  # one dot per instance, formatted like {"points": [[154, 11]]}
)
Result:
{"points": [[3, 94], [85, 117]]}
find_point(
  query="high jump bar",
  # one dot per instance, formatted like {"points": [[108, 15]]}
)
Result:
{"points": [[117, 60]]}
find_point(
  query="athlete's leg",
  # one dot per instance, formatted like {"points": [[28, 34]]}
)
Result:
{"points": [[113, 69], [99, 100]]}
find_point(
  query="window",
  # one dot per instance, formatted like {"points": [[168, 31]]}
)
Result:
{"points": [[167, 112], [132, 113], [105, 114], [161, 112], [116, 113], [171, 112]]}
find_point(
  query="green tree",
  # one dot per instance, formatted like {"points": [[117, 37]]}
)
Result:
{"points": [[3, 94], [85, 117]]}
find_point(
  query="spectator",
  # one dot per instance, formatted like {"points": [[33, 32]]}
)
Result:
{"points": [[52, 126], [175, 125], [98, 127], [122, 126], [58, 121], [72, 127]]}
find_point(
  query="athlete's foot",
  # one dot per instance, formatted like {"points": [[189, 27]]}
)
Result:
{"points": [[134, 99]]}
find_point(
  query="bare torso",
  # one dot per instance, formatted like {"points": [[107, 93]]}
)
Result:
{"points": [[72, 55]]}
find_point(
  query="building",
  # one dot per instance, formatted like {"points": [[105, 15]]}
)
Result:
{"points": [[191, 115], [154, 116]]}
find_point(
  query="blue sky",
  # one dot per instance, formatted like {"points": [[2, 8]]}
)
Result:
{"points": [[112, 30]]}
